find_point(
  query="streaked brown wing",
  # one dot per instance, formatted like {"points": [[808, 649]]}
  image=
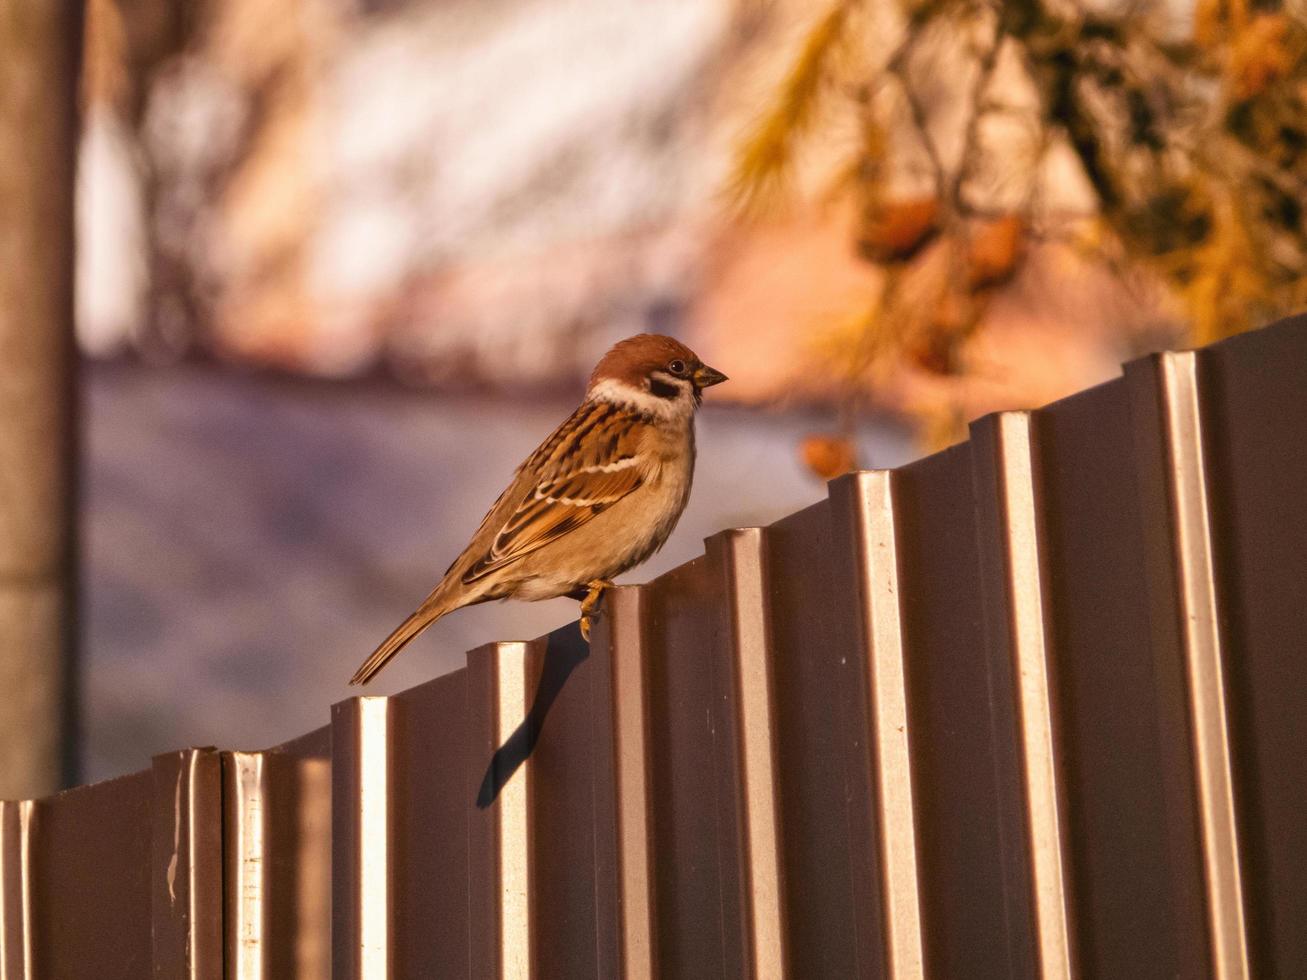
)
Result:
{"points": [[592, 461]]}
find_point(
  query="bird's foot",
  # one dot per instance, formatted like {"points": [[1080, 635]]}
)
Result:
{"points": [[590, 605]]}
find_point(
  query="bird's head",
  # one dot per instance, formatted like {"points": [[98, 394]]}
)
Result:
{"points": [[653, 373]]}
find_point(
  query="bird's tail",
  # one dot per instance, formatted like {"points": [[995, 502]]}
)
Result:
{"points": [[426, 614]]}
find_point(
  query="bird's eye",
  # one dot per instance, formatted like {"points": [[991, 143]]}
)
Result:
{"points": [[677, 366]]}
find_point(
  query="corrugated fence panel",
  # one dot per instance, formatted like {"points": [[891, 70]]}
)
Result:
{"points": [[1030, 707], [276, 852], [699, 927], [829, 843], [88, 858], [871, 680], [186, 874], [749, 758], [562, 839], [1013, 553], [623, 817], [431, 829], [1122, 832], [975, 901], [363, 777], [502, 902], [16, 950], [1255, 421], [1173, 486]]}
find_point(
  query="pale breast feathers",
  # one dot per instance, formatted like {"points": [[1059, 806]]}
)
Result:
{"points": [[590, 462]]}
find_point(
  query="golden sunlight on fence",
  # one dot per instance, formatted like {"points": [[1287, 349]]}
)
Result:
{"points": [[1032, 706]]}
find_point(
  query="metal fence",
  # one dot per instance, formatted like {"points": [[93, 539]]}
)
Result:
{"points": [[1032, 706]]}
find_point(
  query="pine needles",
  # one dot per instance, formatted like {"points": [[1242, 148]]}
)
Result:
{"points": [[1193, 150], [764, 161]]}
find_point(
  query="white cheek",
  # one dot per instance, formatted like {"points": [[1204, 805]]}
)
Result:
{"points": [[680, 408]]}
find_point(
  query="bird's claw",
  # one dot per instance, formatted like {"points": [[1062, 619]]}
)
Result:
{"points": [[590, 606]]}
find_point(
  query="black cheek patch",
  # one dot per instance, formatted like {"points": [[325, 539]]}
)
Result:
{"points": [[663, 389]]}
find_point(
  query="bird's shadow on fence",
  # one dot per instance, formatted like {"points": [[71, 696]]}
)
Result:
{"points": [[566, 649]]}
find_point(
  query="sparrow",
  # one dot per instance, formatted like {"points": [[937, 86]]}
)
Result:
{"points": [[596, 498]]}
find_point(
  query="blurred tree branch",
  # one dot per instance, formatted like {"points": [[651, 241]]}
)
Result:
{"points": [[1193, 150]]}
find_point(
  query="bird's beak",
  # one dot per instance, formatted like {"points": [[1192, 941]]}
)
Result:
{"points": [[706, 377]]}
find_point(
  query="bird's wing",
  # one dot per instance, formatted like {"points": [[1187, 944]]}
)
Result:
{"points": [[591, 461]]}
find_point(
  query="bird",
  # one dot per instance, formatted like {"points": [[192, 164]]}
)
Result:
{"points": [[599, 496]]}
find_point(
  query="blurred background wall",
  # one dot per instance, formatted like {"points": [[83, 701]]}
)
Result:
{"points": [[342, 263]]}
